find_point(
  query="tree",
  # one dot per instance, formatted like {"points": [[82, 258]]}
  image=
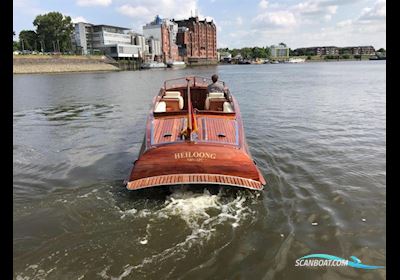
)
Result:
{"points": [[29, 39], [246, 53], [267, 52], [282, 44], [54, 31], [15, 43], [381, 50], [16, 46], [259, 52], [235, 52]]}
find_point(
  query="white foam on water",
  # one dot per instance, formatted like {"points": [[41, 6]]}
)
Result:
{"points": [[127, 270], [19, 277], [144, 213], [202, 214], [195, 208], [128, 212], [87, 194], [103, 273], [35, 272]]}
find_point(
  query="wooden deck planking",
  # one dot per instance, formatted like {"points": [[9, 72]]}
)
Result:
{"points": [[163, 126], [174, 179], [216, 126], [208, 129]]}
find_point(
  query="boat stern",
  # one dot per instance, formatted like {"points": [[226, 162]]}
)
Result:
{"points": [[195, 164]]}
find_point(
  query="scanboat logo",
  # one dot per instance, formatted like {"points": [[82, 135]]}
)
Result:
{"points": [[195, 156], [329, 260]]}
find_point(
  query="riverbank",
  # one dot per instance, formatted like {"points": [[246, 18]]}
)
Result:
{"points": [[314, 58], [40, 64], [34, 64]]}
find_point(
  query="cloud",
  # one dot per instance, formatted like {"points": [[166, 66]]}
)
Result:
{"points": [[89, 3], [290, 16], [368, 28], [239, 21], [376, 13], [315, 21], [314, 8], [374, 16], [144, 10], [275, 19], [28, 7], [79, 19], [344, 23], [134, 12], [263, 4]]}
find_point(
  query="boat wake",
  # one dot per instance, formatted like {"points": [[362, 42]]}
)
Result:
{"points": [[204, 216], [196, 210], [158, 233]]}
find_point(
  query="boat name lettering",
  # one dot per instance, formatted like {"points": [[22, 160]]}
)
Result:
{"points": [[189, 155]]}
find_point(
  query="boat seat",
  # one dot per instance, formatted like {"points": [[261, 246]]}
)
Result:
{"points": [[172, 104], [161, 107], [172, 97], [214, 97], [173, 93], [227, 107]]}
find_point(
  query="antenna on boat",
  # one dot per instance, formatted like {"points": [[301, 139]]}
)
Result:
{"points": [[191, 125]]}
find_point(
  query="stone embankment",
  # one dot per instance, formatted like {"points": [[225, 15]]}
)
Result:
{"points": [[28, 64]]}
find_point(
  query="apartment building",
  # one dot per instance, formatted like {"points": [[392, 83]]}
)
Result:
{"points": [[192, 40], [197, 40], [359, 50], [331, 50], [118, 42], [165, 31], [279, 52]]}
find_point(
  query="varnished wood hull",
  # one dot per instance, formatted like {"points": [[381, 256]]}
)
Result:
{"points": [[218, 154], [190, 163]]}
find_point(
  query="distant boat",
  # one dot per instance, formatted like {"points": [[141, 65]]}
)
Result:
{"points": [[296, 60], [153, 64], [244, 61], [257, 62], [176, 64], [377, 58], [274, 62]]}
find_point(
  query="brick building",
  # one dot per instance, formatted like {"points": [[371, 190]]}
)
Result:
{"points": [[197, 40], [165, 31], [360, 50], [169, 31], [331, 50]]}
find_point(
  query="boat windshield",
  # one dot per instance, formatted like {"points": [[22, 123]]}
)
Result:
{"points": [[173, 97], [194, 81]]}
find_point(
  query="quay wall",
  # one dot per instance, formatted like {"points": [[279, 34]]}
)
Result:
{"points": [[30, 64]]}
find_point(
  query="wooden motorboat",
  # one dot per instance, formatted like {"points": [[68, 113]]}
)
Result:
{"points": [[194, 137]]}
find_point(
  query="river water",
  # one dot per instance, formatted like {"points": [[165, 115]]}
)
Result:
{"points": [[317, 131]]}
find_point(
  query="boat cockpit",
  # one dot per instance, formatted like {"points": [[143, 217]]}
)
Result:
{"points": [[173, 99]]}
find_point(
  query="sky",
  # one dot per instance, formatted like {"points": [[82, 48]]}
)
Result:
{"points": [[250, 23]]}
